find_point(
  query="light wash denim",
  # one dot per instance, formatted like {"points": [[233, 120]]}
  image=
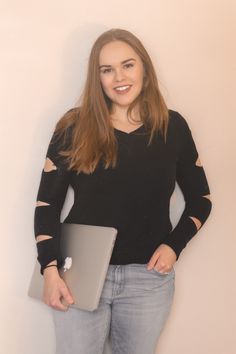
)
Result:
{"points": [[133, 308]]}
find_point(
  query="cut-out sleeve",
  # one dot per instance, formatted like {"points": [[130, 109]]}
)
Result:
{"points": [[191, 178], [55, 179]]}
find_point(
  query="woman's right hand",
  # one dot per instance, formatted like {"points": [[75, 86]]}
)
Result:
{"points": [[55, 293]]}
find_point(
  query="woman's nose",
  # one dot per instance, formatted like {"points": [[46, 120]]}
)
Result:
{"points": [[119, 75]]}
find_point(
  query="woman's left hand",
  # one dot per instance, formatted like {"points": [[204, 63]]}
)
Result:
{"points": [[162, 259]]}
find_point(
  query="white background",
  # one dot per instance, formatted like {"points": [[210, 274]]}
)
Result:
{"points": [[44, 51]]}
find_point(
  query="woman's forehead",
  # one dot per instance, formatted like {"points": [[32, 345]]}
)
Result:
{"points": [[116, 52]]}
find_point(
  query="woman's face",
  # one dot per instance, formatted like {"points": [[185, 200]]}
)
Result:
{"points": [[121, 73]]}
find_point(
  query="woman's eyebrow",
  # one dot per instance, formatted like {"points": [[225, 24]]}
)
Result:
{"points": [[123, 62]]}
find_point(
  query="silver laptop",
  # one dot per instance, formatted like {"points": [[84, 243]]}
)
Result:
{"points": [[86, 251]]}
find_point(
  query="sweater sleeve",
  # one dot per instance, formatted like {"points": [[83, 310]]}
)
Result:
{"points": [[191, 178], [55, 179]]}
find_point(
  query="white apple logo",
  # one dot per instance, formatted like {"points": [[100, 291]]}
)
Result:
{"points": [[67, 264]]}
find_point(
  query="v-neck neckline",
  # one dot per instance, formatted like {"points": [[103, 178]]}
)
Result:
{"points": [[129, 133]]}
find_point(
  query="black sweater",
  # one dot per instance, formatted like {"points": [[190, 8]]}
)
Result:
{"points": [[134, 197]]}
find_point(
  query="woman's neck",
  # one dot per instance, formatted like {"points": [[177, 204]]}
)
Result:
{"points": [[119, 115]]}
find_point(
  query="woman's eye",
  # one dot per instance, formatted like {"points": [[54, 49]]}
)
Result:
{"points": [[129, 65], [106, 70]]}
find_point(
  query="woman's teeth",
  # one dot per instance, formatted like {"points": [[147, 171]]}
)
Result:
{"points": [[122, 89]]}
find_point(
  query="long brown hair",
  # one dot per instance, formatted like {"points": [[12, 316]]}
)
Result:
{"points": [[93, 137]]}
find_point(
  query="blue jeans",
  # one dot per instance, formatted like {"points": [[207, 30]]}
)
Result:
{"points": [[133, 308]]}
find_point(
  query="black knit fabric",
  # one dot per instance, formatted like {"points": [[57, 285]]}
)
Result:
{"points": [[134, 197]]}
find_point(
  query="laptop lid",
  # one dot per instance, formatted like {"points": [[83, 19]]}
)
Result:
{"points": [[86, 250]]}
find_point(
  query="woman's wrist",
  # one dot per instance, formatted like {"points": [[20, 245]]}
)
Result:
{"points": [[50, 268]]}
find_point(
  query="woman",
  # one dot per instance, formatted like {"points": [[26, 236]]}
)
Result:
{"points": [[121, 150]]}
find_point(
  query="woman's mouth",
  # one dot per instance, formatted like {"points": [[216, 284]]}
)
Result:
{"points": [[121, 90]]}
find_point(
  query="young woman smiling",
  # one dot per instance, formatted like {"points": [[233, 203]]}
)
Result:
{"points": [[122, 151]]}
